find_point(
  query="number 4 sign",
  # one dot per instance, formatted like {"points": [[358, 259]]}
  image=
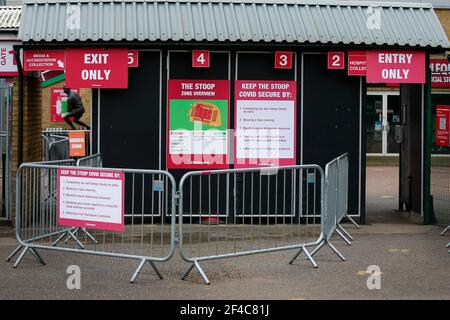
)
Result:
{"points": [[283, 60], [200, 59], [336, 60]]}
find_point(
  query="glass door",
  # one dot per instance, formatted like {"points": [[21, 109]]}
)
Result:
{"points": [[383, 114], [393, 119], [374, 124]]}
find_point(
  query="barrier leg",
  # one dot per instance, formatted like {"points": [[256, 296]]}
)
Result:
{"points": [[136, 273], [22, 254], [343, 237], [90, 236], [141, 265], [59, 239], [310, 258], [317, 248], [335, 251], [299, 252], [445, 230], [37, 256], [352, 221], [448, 245], [156, 269], [16, 250], [328, 243], [200, 271], [70, 234], [345, 232]]}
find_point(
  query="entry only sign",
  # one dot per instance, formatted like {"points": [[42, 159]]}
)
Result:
{"points": [[395, 66], [97, 68], [443, 126], [265, 118], [91, 199]]}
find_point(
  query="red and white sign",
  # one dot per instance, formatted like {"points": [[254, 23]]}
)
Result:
{"points": [[265, 123], [92, 199], [58, 103], [97, 68], [442, 126], [41, 60], [356, 64], [77, 144], [440, 73], [8, 64], [197, 124], [336, 60], [200, 59], [133, 58], [391, 66], [283, 60]]}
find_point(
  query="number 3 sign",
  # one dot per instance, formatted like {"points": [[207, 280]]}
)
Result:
{"points": [[283, 60], [200, 59], [336, 60]]}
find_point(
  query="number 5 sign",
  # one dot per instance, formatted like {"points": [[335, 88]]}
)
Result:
{"points": [[336, 60], [200, 59], [283, 60]]}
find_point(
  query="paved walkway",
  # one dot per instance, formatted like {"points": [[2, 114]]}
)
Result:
{"points": [[413, 260]]}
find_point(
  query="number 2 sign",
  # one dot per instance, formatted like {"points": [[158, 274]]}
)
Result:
{"points": [[336, 60], [200, 59], [283, 60]]}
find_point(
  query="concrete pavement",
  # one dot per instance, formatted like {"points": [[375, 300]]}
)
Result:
{"points": [[412, 258]]}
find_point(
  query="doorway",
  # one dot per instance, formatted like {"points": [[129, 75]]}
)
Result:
{"points": [[5, 148], [383, 114]]}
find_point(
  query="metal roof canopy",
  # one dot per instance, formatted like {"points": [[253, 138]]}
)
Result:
{"points": [[257, 21], [10, 18]]}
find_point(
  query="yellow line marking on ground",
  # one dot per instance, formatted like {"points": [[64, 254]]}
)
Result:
{"points": [[365, 273], [399, 250]]}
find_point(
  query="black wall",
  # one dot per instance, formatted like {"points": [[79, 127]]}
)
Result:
{"points": [[331, 119], [129, 118], [130, 125]]}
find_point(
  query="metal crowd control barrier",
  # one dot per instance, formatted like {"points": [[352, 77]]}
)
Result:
{"points": [[231, 213], [443, 233], [94, 160], [149, 199], [336, 203], [56, 143], [55, 147], [47, 195]]}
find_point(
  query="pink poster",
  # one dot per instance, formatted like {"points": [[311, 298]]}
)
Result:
{"points": [[92, 199], [265, 123]]}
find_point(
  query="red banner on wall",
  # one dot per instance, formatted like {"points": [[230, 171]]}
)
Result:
{"points": [[265, 123], [97, 68], [391, 66], [41, 60], [356, 65], [198, 117], [440, 73], [442, 126]]}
